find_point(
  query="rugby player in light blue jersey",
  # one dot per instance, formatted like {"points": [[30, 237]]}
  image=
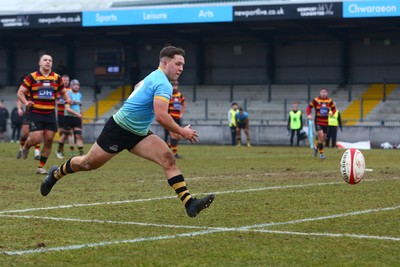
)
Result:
{"points": [[129, 129]]}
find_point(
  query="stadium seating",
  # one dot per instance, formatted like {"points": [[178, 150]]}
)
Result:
{"points": [[209, 104]]}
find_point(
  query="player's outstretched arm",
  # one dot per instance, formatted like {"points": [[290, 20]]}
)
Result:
{"points": [[166, 121]]}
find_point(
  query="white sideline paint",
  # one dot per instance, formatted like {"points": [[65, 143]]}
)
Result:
{"points": [[247, 175], [88, 204], [101, 244], [243, 228], [329, 235], [172, 197], [208, 230], [167, 197], [106, 222], [321, 218]]}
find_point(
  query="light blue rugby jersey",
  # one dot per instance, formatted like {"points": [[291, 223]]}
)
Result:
{"points": [[137, 113], [241, 118], [77, 98]]}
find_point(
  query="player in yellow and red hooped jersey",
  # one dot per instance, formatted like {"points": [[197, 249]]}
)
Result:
{"points": [[64, 135], [42, 86], [322, 105], [177, 106]]}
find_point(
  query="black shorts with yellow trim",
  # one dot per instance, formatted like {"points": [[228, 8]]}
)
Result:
{"points": [[113, 138]]}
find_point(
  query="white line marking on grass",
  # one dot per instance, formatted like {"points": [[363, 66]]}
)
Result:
{"points": [[106, 222], [209, 231], [247, 175], [165, 197], [321, 218], [106, 243], [328, 234], [206, 227], [172, 197], [88, 204]]}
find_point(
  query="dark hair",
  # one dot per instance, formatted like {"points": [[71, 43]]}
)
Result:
{"points": [[171, 51], [241, 109], [234, 103], [44, 54]]}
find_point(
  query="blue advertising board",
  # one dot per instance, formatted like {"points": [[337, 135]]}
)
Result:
{"points": [[202, 14], [367, 9]]}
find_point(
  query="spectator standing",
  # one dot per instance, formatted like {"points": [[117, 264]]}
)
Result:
{"points": [[16, 124], [295, 123], [4, 115], [232, 121], [334, 121]]}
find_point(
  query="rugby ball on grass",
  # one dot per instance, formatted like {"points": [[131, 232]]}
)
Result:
{"points": [[352, 166]]}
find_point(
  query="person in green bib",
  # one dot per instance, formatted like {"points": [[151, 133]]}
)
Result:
{"points": [[295, 123], [232, 121], [334, 121]]}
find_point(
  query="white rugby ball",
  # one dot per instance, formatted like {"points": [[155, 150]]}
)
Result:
{"points": [[352, 166]]}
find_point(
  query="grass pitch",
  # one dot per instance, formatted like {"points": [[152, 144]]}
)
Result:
{"points": [[274, 206]]}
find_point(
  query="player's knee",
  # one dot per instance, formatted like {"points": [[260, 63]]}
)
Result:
{"points": [[87, 164], [77, 132], [169, 160]]}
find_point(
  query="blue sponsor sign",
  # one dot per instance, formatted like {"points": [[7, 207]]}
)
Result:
{"points": [[365, 9], [158, 16]]}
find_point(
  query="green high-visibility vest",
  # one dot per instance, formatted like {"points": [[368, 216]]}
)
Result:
{"points": [[333, 120], [295, 122], [232, 113]]}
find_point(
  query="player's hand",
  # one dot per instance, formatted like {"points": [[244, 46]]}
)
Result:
{"points": [[69, 102], [29, 104], [190, 134], [309, 117]]}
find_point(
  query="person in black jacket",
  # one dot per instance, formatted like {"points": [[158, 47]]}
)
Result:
{"points": [[16, 125], [3, 120]]}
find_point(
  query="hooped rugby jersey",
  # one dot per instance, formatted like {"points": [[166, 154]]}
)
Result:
{"points": [[61, 103], [322, 108], [43, 91], [175, 104]]}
